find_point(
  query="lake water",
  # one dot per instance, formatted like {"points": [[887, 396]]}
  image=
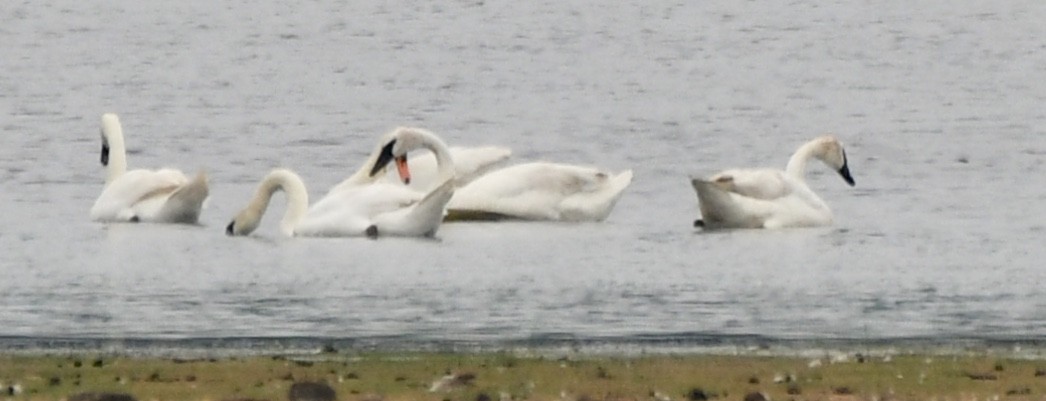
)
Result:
{"points": [[940, 106]]}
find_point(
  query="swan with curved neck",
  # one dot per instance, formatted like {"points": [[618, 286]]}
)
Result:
{"points": [[769, 198], [160, 196], [426, 171], [360, 205], [364, 211], [393, 148], [284, 180]]}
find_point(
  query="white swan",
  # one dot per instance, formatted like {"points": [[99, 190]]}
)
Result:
{"points": [[160, 196], [369, 210], [540, 191], [770, 198], [423, 172], [361, 205]]}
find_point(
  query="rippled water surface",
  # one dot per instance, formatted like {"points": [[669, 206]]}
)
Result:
{"points": [[940, 107]]}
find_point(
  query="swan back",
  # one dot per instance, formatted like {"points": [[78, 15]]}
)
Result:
{"points": [[137, 195], [542, 191], [248, 219], [596, 204], [185, 203]]}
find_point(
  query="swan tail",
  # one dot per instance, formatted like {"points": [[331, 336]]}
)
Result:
{"points": [[596, 206], [435, 201], [421, 219], [721, 208], [429, 211], [184, 205], [620, 182]]}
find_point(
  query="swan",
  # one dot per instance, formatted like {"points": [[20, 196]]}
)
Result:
{"points": [[361, 205], [369, 210], [160, 196], [540, 191], [770, 198], [423, 172]]}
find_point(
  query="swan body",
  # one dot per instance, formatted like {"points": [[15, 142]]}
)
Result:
{"points": [[540, 191], [160, 196], [361, 205], [372, 210], [769, 198]]}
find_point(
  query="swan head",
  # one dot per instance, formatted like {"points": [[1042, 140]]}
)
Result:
{"points": [[398, 143], [243, 224], [392, 151], [105, 150], [110, 125], [831, 152]]}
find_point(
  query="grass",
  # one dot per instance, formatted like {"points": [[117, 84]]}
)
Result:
{"points": [[504, 376]]}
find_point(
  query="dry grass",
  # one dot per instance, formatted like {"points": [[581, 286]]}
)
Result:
{"points": [[499, 376]]}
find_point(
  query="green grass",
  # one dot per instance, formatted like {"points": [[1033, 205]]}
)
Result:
{"points": [[408, 376]]}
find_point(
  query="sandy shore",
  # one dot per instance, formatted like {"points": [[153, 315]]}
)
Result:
{"points": [[504, 376]]}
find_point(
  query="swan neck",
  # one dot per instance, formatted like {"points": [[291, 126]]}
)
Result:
{"points": [[113, 133], [444, 162], [297, 198], [797, 163]]}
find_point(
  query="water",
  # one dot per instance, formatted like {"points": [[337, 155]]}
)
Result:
{"points": [[940, 109]]}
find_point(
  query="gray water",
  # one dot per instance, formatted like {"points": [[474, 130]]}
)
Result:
{"points": [[940, 108]]}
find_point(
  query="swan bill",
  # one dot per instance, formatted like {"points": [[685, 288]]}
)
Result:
{"points": [[230, 229], [371, 232], [845, 172], [105, 154], [385, 156], [403, 169]]}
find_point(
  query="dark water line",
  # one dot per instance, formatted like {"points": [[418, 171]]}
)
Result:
{"points": [[554, 343]]}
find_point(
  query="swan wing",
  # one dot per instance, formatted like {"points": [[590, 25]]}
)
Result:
{"points": [[137, 194], [722, 208], [185, 203], [596, 203], [422, 218], [336, 215], [542, 191], [766, 184], [472, 162], [351, 210]]}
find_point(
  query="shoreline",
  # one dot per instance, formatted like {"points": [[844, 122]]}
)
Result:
{"points": [[562, 374]]}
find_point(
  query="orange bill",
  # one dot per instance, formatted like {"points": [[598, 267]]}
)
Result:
{"points": [[401, 167]]}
